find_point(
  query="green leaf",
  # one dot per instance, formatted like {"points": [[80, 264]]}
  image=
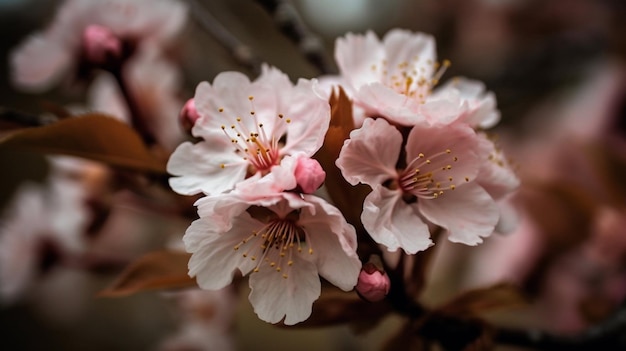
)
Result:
{"points": [[93, 136]]}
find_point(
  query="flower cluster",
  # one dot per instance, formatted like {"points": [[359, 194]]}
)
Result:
{"points": [[419, 147], [253, 161]]}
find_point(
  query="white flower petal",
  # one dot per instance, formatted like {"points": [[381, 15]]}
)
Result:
{"points": [[274, 297], [197, 168], [221, 209], [214, 259]]}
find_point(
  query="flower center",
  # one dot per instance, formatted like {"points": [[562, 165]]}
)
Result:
{"points": [[411, 79], [275, 245], [258, 144], [428, 177]]}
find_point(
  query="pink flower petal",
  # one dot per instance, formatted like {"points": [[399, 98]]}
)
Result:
{"points": [[393, 223], [415, 50], [468, 213], [39, 63], [379, 100], [496, 174], [482, 111], [334, 243], [310, 116], [371, 153], [356, 54], [434, 142]]}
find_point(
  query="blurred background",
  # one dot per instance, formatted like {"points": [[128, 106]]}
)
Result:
{"points": [[557, 68]]}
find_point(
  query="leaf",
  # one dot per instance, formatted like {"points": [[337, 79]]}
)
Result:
{"points": [[156, 270], [93, 136], [474, 302], [347, 198]]}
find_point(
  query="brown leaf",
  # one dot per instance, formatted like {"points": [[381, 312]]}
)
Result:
{"points": [[156, 270], [93, 136], [347, 198], [474, 302]]}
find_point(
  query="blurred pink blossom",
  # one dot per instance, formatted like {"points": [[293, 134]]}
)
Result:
{"points": [[45, 58]]}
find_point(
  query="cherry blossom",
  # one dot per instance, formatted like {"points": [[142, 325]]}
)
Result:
{"points": [[246, 129], [397, 79], [436, 183], [283, 242], [93, 29]]}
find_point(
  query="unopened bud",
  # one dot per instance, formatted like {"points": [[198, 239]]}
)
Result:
{"points": [[188, 116], [309, 175], [101, 45], [373, 284]]}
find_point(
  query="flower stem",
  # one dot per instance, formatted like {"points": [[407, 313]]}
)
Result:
{"points": [[138, 121]]}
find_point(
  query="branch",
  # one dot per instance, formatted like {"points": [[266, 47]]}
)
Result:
{"points": [[25, 120], [138, 121], [608, 335], [454, 333], [241, 52], [291, 24]]}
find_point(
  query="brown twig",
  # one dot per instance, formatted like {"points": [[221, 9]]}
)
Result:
{"points": [[291, 25], [24, 119], [241, 52]]}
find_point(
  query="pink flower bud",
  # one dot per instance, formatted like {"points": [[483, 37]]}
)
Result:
{"points": [[309, 175], [101, 45], [188, 116], [373, 284]]}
